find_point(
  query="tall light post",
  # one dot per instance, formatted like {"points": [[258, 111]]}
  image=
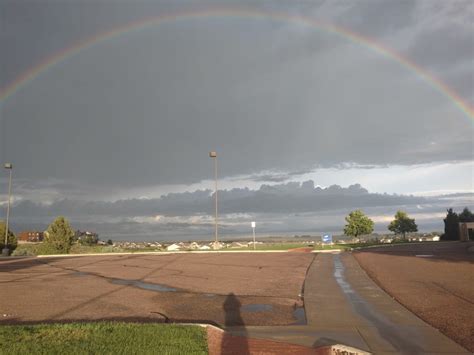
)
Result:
{"points": [[253, 229], [214, 156], [5, 250]]}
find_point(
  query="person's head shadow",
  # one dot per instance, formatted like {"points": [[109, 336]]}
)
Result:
{"points": [[232, 311], [234, 341]]}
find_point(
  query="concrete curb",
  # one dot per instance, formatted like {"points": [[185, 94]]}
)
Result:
{"points": [[323, 350], [335, 251]]}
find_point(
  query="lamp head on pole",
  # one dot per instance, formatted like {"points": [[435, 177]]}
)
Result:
{"points": [[253, 224], [212, 154], [8, 166]]}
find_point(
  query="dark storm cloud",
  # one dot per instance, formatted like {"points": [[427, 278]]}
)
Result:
{"points": [[379, 17], [284, 208], [34, 30], [443, 48], [145, 108], [284, 198]]}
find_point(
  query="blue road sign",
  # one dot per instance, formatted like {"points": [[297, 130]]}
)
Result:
{"points": [[327, 238]]}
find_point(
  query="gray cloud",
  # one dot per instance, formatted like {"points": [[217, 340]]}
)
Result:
{"points": [[385, 16], [143, 109], [285, 208], [292, 197], [102, 123]]}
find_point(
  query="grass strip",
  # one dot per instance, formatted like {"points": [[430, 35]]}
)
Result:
{"points": [[103, 338]]}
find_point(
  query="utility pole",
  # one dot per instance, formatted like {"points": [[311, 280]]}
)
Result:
{"points": [[5, 250], [214, 156]]}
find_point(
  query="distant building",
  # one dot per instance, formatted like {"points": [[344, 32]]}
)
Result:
{"points": [[173, 247], [193, 246], [86, 237], [31, 236]]}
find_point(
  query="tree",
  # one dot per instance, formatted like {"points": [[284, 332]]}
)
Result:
{"points": [[402, 224], [59, 235], [11, 238], [467, 216], [358, 224], [451, 226]]}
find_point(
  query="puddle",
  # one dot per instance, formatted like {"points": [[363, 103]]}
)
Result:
{"points": [[256, 307], [425, 256], [144, 285], [209, 294], [339, 276], [300, 316]]}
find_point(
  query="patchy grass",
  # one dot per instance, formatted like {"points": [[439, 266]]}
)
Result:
{"points": [[102, 338], [32, 249]]}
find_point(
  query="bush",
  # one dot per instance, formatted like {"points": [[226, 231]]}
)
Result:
{"points": [[23, 252], [58, 238], [11, 239]]}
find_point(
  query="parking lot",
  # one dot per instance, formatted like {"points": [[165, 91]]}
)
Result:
{"points": [[220, 288]]}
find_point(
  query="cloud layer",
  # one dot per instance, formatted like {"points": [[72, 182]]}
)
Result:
{"points": [[283, 208]]}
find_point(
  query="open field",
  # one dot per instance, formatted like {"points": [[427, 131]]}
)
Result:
{"points": [[102, 337], [435, 281], [207, 288]]}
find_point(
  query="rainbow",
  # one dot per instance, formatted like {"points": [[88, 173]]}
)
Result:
{"points": [[369, 43]]}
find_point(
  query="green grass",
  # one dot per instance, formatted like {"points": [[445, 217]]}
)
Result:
{"points": [[102, 338], [40, 249]]}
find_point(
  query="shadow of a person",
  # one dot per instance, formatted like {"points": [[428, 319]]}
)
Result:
{"points": [[234, 324]]}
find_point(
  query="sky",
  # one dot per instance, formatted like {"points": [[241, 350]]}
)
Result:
{"points": [[315, 108]]}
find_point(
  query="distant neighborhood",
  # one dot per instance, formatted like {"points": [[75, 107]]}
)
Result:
{"points": [[91, 238]]}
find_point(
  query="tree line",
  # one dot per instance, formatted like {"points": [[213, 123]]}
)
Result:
{"points": [[59, 237], [357, 224]]}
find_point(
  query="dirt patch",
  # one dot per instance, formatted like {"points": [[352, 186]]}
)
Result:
{"points": [[439, 289]]}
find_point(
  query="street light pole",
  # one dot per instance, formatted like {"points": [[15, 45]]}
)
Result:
{"points": [[253, 229], [214, 156], [5, 250]]}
